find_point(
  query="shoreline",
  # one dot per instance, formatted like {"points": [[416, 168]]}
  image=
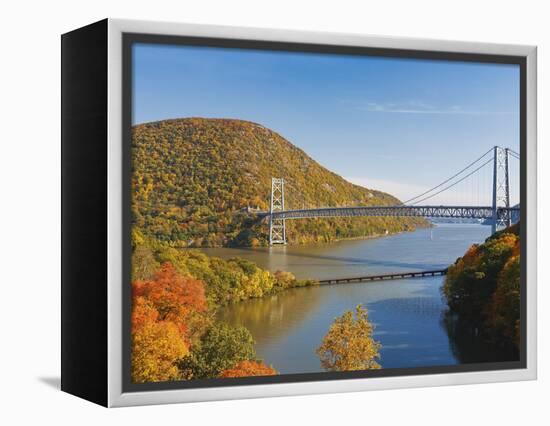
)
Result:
{"points": [[310, 243], [251, 253]]}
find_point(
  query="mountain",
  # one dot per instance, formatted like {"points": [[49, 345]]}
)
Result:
{"points": [[194, 177]]}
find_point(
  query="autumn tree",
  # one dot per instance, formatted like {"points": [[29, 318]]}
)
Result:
{"points": [[169, 291], [472, 279], [168, 313], [156, 345], [504, 310], [249, 368], [155, 348], [178, 299], [143, 312], [284, 279], [349, 343], [482, 288]]}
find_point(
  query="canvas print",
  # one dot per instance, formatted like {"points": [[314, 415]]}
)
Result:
{"points": [[303, 213]]}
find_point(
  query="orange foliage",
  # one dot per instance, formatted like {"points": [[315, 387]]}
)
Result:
{"points": [[516, 249], [176, 298], [143, 312], [471, 254], [166, 312], [247, 369], [169, 291]]}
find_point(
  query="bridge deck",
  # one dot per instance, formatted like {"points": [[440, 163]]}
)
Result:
{"points": [[394, 276], [472, 212]]}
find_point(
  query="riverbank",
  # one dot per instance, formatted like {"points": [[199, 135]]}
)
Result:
{"points": [[361, 257], [288, 326]]}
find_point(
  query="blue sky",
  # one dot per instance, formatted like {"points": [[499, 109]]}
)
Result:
{"points": [[399, 125]]}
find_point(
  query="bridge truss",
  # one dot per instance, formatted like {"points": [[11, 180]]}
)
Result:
{"points": [[471, 212]]}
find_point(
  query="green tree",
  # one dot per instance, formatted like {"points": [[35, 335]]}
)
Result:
{"points": [[221, 348], [349, 343]]}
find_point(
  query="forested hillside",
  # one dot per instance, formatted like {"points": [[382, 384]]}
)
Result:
{"points": [[483, 289], [193, 177]]}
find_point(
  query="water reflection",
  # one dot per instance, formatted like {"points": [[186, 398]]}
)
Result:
{"points": [[407, 314], [468, 347], [270, 317]]}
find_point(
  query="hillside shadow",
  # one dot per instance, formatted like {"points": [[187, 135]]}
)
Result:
{"points": [[356, 260]]}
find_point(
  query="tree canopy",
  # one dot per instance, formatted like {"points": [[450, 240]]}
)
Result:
{"points": [[221, 348], [349, 344], [483, 286], [248, 369]]}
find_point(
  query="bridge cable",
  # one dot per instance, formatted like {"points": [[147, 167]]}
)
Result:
{"points": [[515, 155], [454, 183], [510, 150], [447, 180]]}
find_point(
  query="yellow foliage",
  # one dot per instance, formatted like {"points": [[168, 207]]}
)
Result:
{"points": [[349, 344], [155, 348]]}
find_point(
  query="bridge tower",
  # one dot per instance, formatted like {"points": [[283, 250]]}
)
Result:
{"points": [[501, 188], [277, 231]]}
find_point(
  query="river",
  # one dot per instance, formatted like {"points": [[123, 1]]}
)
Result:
{"points": [[406, 313]]}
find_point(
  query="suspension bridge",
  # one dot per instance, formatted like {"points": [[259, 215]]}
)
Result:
{"points": [[496, 209]]}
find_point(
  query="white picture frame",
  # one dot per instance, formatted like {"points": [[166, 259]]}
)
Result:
{"points": [[116, 395]]}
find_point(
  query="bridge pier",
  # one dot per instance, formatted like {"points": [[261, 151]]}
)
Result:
{"points": [[277, 229], [501, 188]]}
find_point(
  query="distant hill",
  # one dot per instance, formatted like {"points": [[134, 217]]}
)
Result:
{"points": [[193, 177]]}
